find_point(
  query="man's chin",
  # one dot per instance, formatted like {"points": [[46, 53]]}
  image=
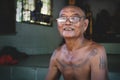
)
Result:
{"points": [[68, 37]]}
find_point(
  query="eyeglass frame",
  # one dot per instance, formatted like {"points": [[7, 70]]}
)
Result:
{"points": [[69, 18]]}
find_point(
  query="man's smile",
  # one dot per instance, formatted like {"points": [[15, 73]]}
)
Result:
{"points": [[68, 29]]}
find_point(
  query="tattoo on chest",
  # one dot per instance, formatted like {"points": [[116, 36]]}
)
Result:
{"points": [[81, 62]]}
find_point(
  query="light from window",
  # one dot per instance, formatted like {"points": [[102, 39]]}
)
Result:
{"points": [[34, 11]]}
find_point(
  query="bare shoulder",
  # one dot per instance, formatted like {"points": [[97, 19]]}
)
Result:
{"points": [[98, 47], [99, 51], [99, 65], [53, 71], [56, 53]]}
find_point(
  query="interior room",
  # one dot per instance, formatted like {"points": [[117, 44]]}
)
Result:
{"points": [[27, 42]]}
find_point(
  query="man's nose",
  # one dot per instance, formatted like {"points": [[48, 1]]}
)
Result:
{"points": [[68, 21]]}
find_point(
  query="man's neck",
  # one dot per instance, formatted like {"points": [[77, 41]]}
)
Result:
{"points": [[73, 44]]}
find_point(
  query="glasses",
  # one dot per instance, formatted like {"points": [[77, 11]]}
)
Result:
{"points": [[71, 19]]}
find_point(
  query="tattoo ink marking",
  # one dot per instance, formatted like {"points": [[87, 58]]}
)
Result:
{"points": [[102, 64], [91, 54], [62, 64]]}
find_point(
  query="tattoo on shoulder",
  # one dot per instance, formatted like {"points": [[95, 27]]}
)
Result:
{"points": [[102, 64], [92, 53]]}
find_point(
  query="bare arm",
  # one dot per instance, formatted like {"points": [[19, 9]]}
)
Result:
{"points": [[99, 70], [53, 72]]}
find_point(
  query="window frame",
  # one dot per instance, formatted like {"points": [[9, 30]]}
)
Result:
{"points": [[24, 16]]}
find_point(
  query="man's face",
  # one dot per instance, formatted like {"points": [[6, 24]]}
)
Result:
{"points": [[74, 27]]}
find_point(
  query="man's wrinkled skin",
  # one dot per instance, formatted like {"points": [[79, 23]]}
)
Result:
{"points": [[78, 58]]}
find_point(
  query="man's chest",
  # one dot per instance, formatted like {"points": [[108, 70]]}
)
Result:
{"points": [[78, 59], [76, 68], [69, 61]]}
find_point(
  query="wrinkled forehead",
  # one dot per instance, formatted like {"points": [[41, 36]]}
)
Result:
{"points": [[71, 10]]}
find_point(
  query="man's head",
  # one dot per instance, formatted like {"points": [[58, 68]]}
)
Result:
{"points": [[72, 22]]}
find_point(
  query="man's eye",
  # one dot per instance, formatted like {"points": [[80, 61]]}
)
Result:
{"points": [[74, 18], [63, 18]]}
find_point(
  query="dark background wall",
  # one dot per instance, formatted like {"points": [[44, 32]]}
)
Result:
{"points": [[38, 39], [7, 17]]}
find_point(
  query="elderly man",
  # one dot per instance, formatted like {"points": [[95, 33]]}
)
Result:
{"points": [[78, 58]]}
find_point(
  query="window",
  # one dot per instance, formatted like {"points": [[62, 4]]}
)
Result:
{"points": [[34, 11]]}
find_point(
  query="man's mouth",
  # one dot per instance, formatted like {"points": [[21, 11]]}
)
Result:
{"points": [[68, 29]]}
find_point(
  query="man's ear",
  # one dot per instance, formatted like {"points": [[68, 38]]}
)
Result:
{"points": [[86, 22]]}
